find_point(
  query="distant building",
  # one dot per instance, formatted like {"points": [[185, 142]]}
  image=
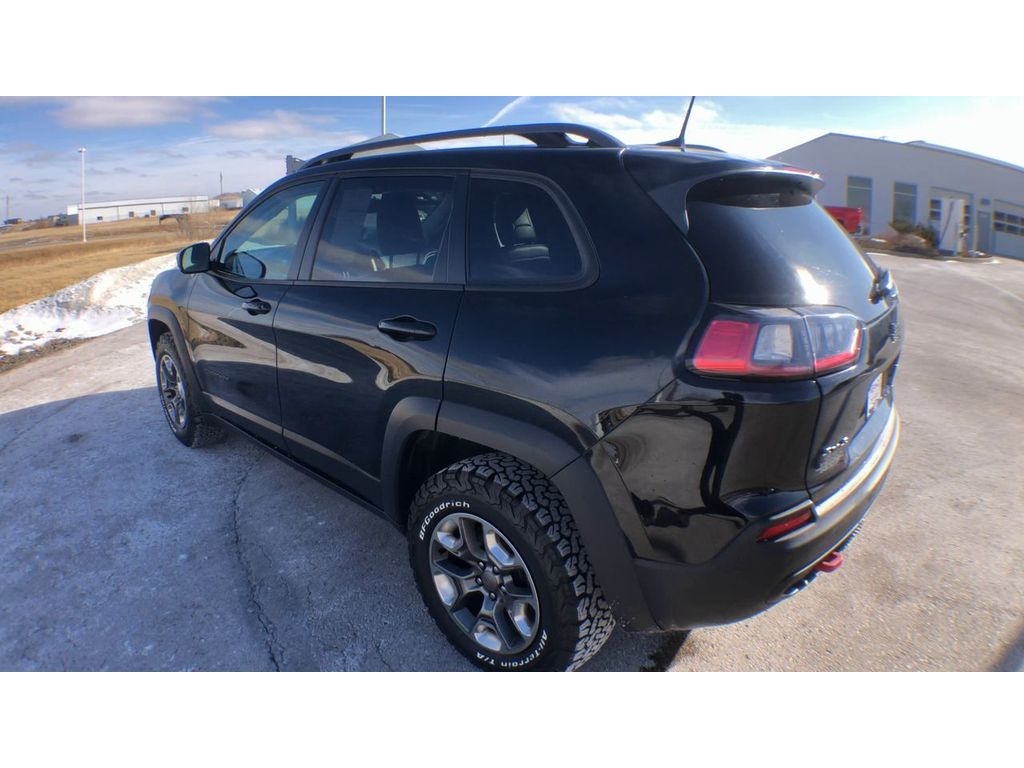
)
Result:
{"points": [[234, 200], [117, 210], [14, 220], [920, 183]]}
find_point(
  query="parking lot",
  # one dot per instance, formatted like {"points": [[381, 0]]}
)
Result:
{"points": [[124, 550]]}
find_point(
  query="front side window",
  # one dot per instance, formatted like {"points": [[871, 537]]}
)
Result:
{"points": [[386, 229], [263, 245], [517, 233]]}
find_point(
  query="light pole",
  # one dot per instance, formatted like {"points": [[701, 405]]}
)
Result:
{"points": [[81, 207]]}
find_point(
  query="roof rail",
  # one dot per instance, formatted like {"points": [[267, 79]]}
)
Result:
{"points": [[541, 134]]}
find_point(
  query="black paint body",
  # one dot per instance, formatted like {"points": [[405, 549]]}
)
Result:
{"points": [[670, 476]]}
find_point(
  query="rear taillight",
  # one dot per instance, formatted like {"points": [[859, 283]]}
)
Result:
{"points": [[777, 344]]}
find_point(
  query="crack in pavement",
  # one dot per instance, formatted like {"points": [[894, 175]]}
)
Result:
{"points": [[269, 635]]}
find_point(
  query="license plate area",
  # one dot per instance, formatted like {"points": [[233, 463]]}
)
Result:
{"points": [[875, 394]]}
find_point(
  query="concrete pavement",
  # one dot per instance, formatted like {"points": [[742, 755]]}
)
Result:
{"points": [[124, 550]]}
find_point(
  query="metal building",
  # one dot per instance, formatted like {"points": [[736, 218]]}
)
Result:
{"points": [[116, 210], [920, 183]]}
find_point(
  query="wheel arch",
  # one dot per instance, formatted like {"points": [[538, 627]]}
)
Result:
{"points": [[425, 435], [162, 320]]}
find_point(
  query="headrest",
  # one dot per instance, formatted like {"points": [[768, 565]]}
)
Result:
{"points": [[398, 223]]}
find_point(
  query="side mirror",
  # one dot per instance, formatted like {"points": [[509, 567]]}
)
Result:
{"points": [[194, 258]]}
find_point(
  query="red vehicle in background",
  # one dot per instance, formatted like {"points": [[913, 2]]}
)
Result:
{"points": [[850, 218]]}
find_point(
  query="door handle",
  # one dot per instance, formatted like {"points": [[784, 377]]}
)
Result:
{"points": [[406, 328], [256, 307]]}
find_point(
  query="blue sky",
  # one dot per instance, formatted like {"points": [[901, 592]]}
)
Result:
{"points": [[177, 145]]}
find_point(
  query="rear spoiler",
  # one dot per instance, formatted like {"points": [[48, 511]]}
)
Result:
{"points": [[670, 184]]}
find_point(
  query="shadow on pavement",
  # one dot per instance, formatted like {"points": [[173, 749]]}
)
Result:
{"points": [[1013, 659], [125, 550]]}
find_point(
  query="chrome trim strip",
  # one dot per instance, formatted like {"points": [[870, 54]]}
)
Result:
{"points": [[890, 437]]}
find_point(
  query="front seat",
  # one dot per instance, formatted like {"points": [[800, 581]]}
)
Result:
{"points": [[399, 231]]}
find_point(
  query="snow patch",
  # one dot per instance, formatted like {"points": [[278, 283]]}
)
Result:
{"points": [[101, 304]]}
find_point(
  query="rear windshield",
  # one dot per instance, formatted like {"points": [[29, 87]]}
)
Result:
{"points": [[767, 242]]}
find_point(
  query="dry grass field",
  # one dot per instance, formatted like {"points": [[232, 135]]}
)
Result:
{"points": [[35, 262]]}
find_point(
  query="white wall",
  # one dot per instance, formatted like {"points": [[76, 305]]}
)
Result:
{"points": [[934, 172], [120, 210]]}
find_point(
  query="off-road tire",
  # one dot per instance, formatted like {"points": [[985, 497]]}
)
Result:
{"points": [[198, 429], [574, 620]]}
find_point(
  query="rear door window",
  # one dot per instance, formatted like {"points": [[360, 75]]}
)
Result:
{"points": [[386, 229], [518, 234]]}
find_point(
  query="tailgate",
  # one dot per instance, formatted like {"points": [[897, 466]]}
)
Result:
{"points": [[855, 407]]}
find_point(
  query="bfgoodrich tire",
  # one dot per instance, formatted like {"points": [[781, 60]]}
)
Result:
{"points": [[179, 401], [500, 565]]}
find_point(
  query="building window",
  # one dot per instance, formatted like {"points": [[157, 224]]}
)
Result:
{"points": [[935, 209], [904, 202], [967, 215], [131, 214], [999, 221], [858, 195]]}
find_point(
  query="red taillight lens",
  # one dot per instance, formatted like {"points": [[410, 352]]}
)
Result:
{"points": [[777, 344], [751, 348], [786, 524]]}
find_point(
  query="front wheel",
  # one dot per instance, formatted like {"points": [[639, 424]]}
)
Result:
{"points": [[179, 402], [500, 565]]}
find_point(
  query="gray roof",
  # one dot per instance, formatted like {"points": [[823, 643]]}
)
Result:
{"points": [[916, 145]]}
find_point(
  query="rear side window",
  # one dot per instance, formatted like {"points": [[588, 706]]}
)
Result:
{"points": [[518, 234], [387, 229]]}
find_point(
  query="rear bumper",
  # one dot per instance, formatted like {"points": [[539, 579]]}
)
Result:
{"points": [[749, 576]]}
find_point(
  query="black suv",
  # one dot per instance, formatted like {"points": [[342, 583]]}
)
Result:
{"points": [[593, 383]]}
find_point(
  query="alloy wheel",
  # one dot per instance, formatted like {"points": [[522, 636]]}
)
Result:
{"points": [[172, 392], [484, 584]]}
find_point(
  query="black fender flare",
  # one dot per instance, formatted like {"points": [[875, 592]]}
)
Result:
{"points": [[576, 472], [168, 318]]}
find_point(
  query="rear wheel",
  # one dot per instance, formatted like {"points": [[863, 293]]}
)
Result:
{"points": [[500, 565], [179, 402]]}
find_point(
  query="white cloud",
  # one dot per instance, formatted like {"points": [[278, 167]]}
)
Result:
{"points": [[126, 111], [708, 125], [501, 113], [278, 124]]}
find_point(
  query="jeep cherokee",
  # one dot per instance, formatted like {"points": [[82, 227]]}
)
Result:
{"points": [[592, 383]]}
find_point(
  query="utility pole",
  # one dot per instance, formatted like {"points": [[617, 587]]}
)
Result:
{"points": [[222, 183], [81, 207], [383, 115]]}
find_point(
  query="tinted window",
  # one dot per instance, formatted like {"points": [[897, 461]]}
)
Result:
{"points": [[263, 244], [769, 243], [385, 229], [518, 233]]}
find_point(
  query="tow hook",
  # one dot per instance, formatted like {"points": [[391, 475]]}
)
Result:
{"points": [[831, 563]]}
